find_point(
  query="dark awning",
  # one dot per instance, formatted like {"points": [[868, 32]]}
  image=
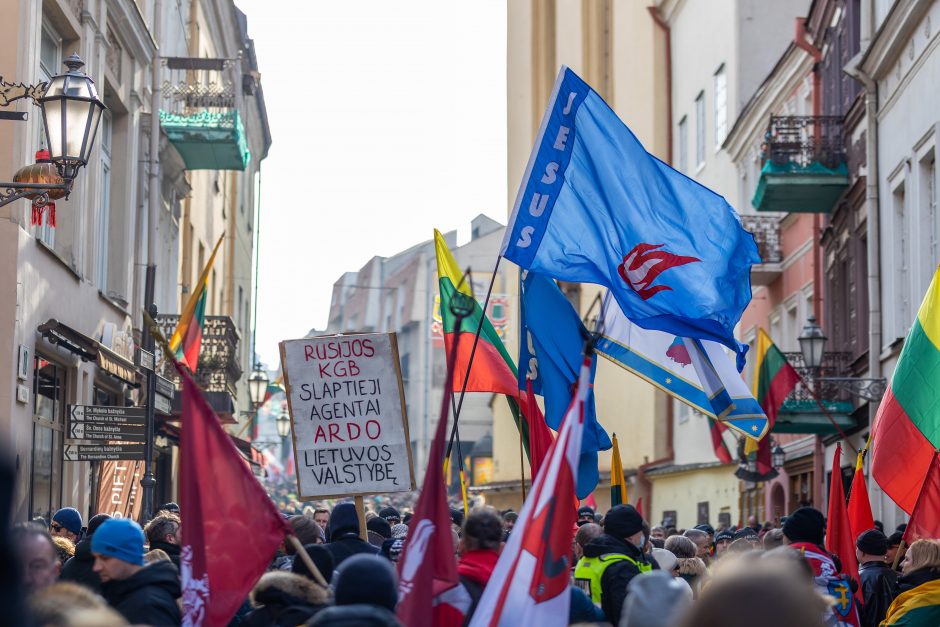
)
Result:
{"points": [[90, 350]]}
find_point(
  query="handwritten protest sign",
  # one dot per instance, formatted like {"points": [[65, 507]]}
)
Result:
{"points": [[347, 409]]}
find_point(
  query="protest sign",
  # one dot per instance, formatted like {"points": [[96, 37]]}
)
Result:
{"points": [[350, 431]]}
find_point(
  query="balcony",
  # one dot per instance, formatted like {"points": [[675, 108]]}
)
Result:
{"points": [[218, 370], [199, 115], [208, 140], [766, 232], [800, 413], [804, 169]]}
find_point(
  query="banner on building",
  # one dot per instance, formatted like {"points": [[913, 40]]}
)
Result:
{"points": [[347, 408], [119, 489]]}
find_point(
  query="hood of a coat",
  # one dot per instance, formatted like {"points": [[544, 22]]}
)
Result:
{"points": [[279, 587]]}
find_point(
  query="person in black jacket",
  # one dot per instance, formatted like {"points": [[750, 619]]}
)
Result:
{"points": [[365, 591], [877, 579], [164, 533], [142, 594], [282, 599], [612, 559], [343, 534], [79, 568]]}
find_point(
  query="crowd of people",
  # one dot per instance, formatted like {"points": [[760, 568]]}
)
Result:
{"points": [[623, 572]]}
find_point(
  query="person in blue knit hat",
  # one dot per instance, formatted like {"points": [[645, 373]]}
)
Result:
{"points": [[67, 523], [142, 594]]}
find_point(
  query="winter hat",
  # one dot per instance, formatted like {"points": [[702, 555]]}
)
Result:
{"points": [[380, 526], [321, 558], [805, 525], [456, 517], [667, 560], [655, 599], [96, 521], [121, 538], [622, 521], [706, 528], [895, 539], [585, 511], [389, 512], [69, 518], [367, 579], [746, 533], [724, 534], [872, 542], [400, 531], [173, 508]]}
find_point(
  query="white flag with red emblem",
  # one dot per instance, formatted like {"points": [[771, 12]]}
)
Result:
{"points": [[530, 583]]}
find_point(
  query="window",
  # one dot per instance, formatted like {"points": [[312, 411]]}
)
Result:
{"points": [[721, 106], [928, 175], [683, 145], [902, 262], [45, 489], [700, 129], [104, 203], [50, 60]]}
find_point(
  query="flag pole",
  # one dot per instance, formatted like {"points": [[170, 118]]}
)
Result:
{"points": [[473, 350], [897, 556], [522, 466]]}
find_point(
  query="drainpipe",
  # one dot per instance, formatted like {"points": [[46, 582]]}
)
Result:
{"points": [[667, 34], [801, 42], [873, 250]]}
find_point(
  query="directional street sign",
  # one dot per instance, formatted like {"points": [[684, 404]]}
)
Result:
{"points": [[108, 415], [103, 452], [124, 424], [100, 431]]}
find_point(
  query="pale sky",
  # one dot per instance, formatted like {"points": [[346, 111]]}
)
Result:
{"points": [[388, 120]]}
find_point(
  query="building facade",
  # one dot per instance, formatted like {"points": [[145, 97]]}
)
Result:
{"points": [[72, 322]]}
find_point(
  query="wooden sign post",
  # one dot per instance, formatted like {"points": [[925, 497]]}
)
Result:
{"points": [[347, 411]]}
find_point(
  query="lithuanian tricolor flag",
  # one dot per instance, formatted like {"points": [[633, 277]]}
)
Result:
{"points": [[618, 487], [774, 379], [187, 338], [493, 369], [906, 431]]}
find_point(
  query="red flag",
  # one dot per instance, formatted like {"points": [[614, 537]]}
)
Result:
{"points": [[718, 443], [529, 585], [860, 516], [639, 507], [925, 518], [231, 529], [427, 566], [839, 539], [540, 436]]}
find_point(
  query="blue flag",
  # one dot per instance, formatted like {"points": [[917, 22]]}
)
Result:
{"points": [[595, 207], [552, 341]]}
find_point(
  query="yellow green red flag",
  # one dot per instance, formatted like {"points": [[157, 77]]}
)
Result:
{"points": [[187, 338]]}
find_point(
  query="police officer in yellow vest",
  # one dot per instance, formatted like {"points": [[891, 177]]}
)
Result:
{"points": [[612, 559]]}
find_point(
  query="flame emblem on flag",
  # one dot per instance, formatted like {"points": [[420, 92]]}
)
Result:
{"points": [[642, 265]]}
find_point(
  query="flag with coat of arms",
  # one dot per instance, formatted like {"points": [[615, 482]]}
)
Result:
{"points": [[529, 585]]}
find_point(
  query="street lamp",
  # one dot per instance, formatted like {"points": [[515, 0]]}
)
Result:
{"points": [[812, 344], [257, 386], [283, 424], [778, 456], [71, 112]]}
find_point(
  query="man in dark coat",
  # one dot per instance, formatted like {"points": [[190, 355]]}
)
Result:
{"points": [[877, 579], [164, 533], [79, 568], [141, 594], [612, 559], [343, 532]]}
